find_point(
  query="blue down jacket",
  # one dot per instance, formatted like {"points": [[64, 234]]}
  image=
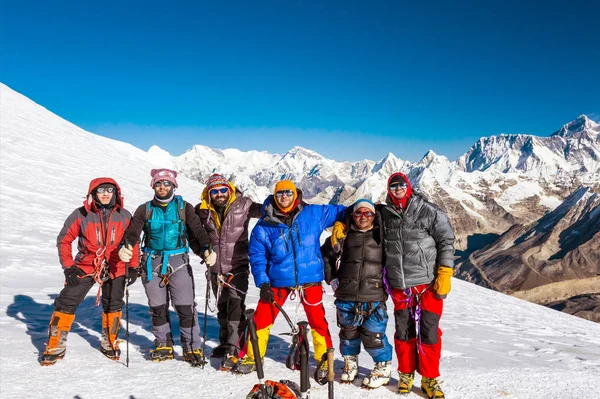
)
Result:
{"points": [[290, 256]]}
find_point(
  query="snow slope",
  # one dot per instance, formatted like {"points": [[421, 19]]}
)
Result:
{"points": [[495, 346]]}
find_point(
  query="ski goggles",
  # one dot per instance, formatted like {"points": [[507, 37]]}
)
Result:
{"points": [[287, 193], [102, 190], [216, 191], [395, 186], [367, 214], [164, 183]]}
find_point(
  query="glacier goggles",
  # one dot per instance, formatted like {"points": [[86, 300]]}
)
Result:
{"points": [[221, 190], [401, 185], [367, 214], [164, 183], [102, 190], [287, 193]]}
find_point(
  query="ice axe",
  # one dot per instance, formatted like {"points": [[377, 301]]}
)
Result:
{"points": [[249, 314]]}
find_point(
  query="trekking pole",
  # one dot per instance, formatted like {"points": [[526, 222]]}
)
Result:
{"points": [[304, 377], [127, 310], [206, 299], [249, 314], [330, 372]]}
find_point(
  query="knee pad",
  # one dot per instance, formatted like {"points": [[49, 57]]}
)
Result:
{"points": [[405, 325], [370, 339], [186, 315], [429, 327], [349, 333], [159, 315]]}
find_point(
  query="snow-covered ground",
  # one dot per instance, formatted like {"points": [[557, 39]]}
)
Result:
{"points": [[495, 346]]}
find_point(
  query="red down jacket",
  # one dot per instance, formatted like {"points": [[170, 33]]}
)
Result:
{"points": [[99, 232]]}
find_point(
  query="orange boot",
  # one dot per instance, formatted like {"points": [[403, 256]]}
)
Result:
{"points": [[109, 345], [60, 325]]}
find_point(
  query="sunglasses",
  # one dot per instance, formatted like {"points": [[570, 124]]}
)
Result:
{"points": [[287, 193], [216, 191], [102, 190], [367, 214], [396, 185], [165, 183]]}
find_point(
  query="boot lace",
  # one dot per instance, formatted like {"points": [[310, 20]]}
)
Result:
{"points": [[406, 379], [433, 384]]}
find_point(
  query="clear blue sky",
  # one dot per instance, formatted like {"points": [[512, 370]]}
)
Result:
{"points": [[348, 79]]}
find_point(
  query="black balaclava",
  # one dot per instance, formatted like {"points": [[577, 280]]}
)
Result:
{"points": [[113, 200]]}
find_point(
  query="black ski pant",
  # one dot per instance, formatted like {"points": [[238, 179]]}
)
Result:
{"points": [[72, 296], [230, 310]]}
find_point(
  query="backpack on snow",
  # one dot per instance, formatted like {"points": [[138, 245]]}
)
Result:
{"points": [[284, 389]]}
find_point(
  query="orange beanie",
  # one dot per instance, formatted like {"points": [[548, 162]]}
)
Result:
{"points": [[286, 185]]}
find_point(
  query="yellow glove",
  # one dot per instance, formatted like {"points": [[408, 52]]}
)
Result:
{"points": [[338, 233], [442, 282]]}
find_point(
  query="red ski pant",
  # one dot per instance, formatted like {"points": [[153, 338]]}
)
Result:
{"points": [[418, 338], [266, 313]]}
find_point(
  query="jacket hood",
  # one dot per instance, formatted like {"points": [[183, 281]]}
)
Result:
{"points": [[269, 208], [205, 197], [89, 200], [400, 203]]}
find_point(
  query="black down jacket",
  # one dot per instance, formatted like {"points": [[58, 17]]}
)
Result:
{"points": [[416, 242], [360, 268]]}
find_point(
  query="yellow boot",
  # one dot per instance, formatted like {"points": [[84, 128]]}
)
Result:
{"points": [[405, 383], [109, 344], [431, 388], [60, 325]]}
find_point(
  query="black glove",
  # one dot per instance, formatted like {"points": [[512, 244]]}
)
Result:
{"points": [[133, 275], [72, 275], [266, 294]]}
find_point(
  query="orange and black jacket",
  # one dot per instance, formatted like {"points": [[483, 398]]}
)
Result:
{"points": [[99, 232]]}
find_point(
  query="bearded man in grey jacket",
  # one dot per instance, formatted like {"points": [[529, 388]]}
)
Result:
{"points": [[225, 213]]}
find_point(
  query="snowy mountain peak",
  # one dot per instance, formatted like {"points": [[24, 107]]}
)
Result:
{"points": [[429, 156], [579, 125], [389, 164], [301, 152]]}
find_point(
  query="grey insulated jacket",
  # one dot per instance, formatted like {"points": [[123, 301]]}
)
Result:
{"points": [[416, 242], [229, 236]]}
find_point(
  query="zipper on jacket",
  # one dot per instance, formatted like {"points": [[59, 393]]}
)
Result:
{"points": [[112, 236], [98, 237], [284, 235], [294, 254], [298, 235], [424, 259], [401, 256], [362, 263]]}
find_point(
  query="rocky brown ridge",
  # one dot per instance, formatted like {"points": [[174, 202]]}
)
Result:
{"points": [[554, 261]]}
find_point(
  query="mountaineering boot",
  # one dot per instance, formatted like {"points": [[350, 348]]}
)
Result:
{"points": [[322, 371], [219, 351], [350, 370], [228, 362], [109, 344], [244, 366], [431, 388], [60, 325], [161, 353], [195, 358], [379, 376], [405, 383]]}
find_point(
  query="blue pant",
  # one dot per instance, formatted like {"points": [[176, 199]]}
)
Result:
{"points": [[363, 322]]}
